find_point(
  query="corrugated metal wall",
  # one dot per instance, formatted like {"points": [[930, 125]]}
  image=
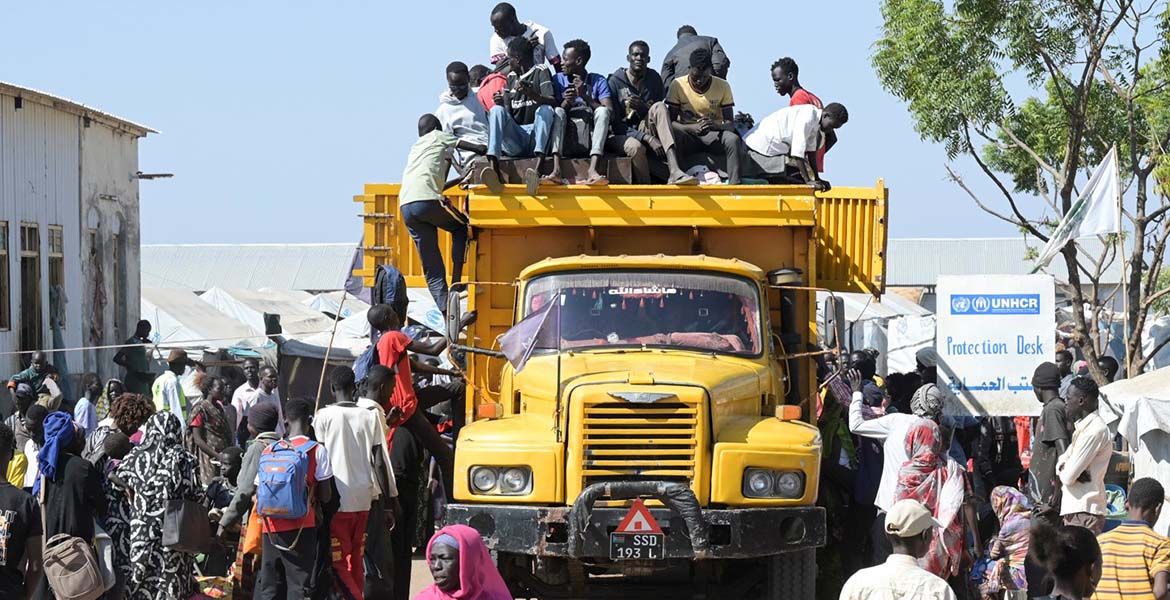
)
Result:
{"points": [[48, 160]]}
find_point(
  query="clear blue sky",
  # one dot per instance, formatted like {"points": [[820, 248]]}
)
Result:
{"points": [[273, 115]]}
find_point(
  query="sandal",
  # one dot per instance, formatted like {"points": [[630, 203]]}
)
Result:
{"points": [[491, 179], [684, 180], [596, 181], [532, 181]]}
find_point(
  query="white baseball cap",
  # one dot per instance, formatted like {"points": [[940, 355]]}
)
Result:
{"points": [[908, 518]]}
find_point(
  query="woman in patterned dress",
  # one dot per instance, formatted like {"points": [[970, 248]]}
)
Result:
{"points": [[157, 471]]}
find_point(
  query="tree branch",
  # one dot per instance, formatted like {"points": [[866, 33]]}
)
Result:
{"points": [[1023, 221], [958, 180]]}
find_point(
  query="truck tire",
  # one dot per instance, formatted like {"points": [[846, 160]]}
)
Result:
{"points": [[792, 575]]}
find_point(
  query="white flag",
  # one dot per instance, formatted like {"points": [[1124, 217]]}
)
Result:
{"points": [[1095, 212]]}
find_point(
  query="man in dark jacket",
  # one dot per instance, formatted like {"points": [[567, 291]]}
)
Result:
{"points": [[678, 60], [642, 122]]}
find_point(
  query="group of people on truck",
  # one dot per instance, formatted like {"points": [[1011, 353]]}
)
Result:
{"points": [[539, 102]]}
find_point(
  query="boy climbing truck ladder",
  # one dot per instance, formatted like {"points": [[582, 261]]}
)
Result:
{"points": [[646, 427]]}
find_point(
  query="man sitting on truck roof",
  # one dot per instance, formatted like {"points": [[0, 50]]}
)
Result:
{"points": [[794, 133], [425, 210], [523, 122], [586, 105], [644, 120], [506, 26], [678, 58], [786, 80], [462, 116], [701, 114]]}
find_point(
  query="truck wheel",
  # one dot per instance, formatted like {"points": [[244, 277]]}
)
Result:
{"points": [[792, 575]]}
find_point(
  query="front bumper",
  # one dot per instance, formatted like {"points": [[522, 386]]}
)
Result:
{"points": [[582, 531]]}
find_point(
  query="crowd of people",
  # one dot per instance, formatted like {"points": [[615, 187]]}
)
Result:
{"points": [[205, 483], [537, 101], [988, 508]]}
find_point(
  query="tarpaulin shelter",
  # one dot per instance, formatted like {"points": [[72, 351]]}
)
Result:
{"points": [[181, 319], [1144, 422], [894, 326], [330, 303], [253, 307]]}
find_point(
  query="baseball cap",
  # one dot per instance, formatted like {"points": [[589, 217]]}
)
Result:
{"points": [[908, 518]]}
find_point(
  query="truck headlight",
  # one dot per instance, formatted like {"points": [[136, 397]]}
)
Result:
{"points": [[768, 483], [483, 479], [501, 481]]}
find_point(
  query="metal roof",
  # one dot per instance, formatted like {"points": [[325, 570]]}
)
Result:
{"points": [[920, 261], [200, 267], [76, 108]]}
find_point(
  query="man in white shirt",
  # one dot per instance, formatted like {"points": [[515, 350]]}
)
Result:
{"points": [[506, 26], [167, 389], [260, 386], [1081, 469], [909, 527], [891, 430], [461, 115], [795, 133], [358, 454]]}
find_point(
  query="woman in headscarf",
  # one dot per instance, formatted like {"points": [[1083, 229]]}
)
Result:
{"points": [[71, 486], [127, 415], [156, 471], [462, 567], [937, 481], [113, 389], [209, 433], [1009, 548]]}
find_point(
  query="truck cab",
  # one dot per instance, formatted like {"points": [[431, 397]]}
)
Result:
{"points": [[668, 360]]}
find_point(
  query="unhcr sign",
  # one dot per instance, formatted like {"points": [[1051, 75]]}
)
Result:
{"points": [[993, 331], [995, 304]]}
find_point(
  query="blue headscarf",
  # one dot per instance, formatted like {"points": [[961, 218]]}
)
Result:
{"points": [[58, 437]]}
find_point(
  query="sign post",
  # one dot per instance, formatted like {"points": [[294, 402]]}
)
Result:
{"points": [[993, 331]]}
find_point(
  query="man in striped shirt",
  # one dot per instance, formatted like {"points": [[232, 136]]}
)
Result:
{"points": [[1135, 561]]}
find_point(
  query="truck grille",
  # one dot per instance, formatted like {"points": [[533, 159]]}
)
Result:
{"points": [[623, 441]]}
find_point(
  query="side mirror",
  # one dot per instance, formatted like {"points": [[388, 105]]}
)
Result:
{"points": [[833, 322], [454, 317]]}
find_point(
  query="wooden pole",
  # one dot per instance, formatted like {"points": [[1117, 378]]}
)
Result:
{"points": [[329, 348]]}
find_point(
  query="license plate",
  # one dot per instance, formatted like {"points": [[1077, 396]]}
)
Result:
{"points": [[637, 546]]}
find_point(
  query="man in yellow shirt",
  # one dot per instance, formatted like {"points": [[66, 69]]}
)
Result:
{"points": [[1135, 561], [701, 112]]}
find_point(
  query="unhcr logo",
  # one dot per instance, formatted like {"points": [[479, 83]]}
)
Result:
{"points": [[995, 304]]}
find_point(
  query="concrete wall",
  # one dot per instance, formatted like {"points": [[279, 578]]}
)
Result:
{"points": [[109, 209], [60, 169]]}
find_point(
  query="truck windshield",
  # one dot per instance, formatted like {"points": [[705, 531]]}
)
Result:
{"points": [[699, 311]]}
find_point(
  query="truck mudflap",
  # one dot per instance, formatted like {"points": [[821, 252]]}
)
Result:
{"points": [[692, 532]]}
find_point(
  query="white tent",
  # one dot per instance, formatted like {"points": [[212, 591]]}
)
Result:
{"points": [[894, 326], [351, 339], [330, 302], [181, 320], [249, 307]]}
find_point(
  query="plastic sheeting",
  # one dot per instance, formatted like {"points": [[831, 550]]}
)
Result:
{"points": [[894, 326], [1145, 424], [351, 339], [330, 303], [1119, 395], [181, 320], [249, 307]]}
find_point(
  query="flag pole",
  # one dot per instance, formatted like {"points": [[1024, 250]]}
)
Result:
{"points": [[1124, 267]]}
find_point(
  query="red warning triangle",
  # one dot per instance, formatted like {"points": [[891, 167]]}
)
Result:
{"points": [[638, 520]]}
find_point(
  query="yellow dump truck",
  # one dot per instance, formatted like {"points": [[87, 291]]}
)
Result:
{"points": [[675, 369]]}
